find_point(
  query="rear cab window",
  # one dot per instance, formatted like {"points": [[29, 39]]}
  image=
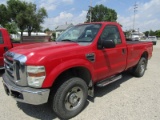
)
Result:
{"points": [[1, 38]]}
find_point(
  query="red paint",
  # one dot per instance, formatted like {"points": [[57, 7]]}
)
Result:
{"points": [[7, 43], [60, 56]]}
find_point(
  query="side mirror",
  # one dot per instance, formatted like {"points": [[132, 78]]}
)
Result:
{"points": [[108, 44]]}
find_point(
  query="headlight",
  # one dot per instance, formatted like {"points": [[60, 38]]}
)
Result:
{"points": [[36, 76]]}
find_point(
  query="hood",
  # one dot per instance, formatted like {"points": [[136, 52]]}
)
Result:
{"points": [[43, 47], [42, 50]]}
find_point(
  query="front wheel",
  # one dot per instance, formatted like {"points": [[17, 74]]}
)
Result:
{"points": [[140, 68], [70, 98]]}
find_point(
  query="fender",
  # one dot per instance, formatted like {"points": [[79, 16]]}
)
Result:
{"points": [[143, 51], [51, 77], [149, 50]]}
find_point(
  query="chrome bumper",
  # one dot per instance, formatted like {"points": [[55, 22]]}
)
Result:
{"points": [[154, 42], [25, 94], [1, 67]]}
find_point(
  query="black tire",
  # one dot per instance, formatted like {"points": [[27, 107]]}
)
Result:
{"points": [[140, 68], [70, 98]]}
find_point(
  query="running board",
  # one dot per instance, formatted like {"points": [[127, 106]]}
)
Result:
{"points": [[109, 80]]}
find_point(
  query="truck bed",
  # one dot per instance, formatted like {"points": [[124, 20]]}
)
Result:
{"points": [[135, 49], [136, 42]]}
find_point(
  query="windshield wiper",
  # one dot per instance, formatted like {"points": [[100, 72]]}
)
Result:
{"points": [[68, 40], [83, 41]]}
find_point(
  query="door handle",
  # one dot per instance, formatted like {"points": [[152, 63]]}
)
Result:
{"points": [[123, 51], [5, 49]]}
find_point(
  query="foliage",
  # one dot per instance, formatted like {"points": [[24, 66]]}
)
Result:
{"points": [[26, 15], [23, 15], [4, 16], [35, 18], [47, 29], [146, 33], [54, 35], [101, 13], [11, 27], [152, 33], [157, 32], [16, 10]]}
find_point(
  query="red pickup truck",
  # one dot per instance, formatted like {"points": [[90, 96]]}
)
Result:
{"points": [[6, 44], [64, 73]]}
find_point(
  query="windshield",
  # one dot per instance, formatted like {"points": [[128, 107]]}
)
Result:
{"points": [[80, 33]]}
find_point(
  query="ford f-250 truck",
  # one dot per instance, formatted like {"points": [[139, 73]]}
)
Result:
{"points": [[6, 44], [64, 73]]}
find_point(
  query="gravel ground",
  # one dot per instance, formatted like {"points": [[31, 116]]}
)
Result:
{"points": [[127, 99]]}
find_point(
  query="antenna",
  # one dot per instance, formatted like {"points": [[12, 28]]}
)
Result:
{"points": [[90, 10], [135, 10]]}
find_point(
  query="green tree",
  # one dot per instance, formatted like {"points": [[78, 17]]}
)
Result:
{"points": [[16, 10], [11, 27], [54, 35], [151, 33], [26, 15], [35, 18], [157, 32], [4, 16], [5, 20], [47, 29], [23, 15], [101, 13], [146, 33]]}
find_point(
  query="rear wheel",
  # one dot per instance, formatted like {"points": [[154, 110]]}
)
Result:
{"points": [[70, 98], [140, 68]]}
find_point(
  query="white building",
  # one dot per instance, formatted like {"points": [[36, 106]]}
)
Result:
{"points": [[61, 28], [18, 35]]}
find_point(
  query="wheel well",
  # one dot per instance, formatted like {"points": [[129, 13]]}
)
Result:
{"points": [[80, 72], [145, 55]]}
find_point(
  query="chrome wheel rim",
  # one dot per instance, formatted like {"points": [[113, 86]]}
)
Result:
{"points": [[73, 98], [142, 67]]}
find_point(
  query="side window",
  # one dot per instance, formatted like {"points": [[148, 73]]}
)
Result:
{"points": [[111, 33], [1, 38]]}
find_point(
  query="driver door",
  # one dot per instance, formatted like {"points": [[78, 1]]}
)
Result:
{"points": [[111, 61]]}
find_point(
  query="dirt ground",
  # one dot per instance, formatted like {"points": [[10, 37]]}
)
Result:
{"points": [[127, 99]]}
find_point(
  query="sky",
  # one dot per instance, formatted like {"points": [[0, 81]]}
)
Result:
{"points": [[60, 12]]}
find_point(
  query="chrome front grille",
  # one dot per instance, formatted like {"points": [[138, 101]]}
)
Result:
{"points": [[15, 68], [9, 67]]}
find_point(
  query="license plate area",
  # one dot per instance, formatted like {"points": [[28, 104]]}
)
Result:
{"points": [[13, 93], [6, 89]]}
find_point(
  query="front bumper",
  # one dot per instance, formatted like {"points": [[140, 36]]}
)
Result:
{"points": [[1, 67], [25, 94]]}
